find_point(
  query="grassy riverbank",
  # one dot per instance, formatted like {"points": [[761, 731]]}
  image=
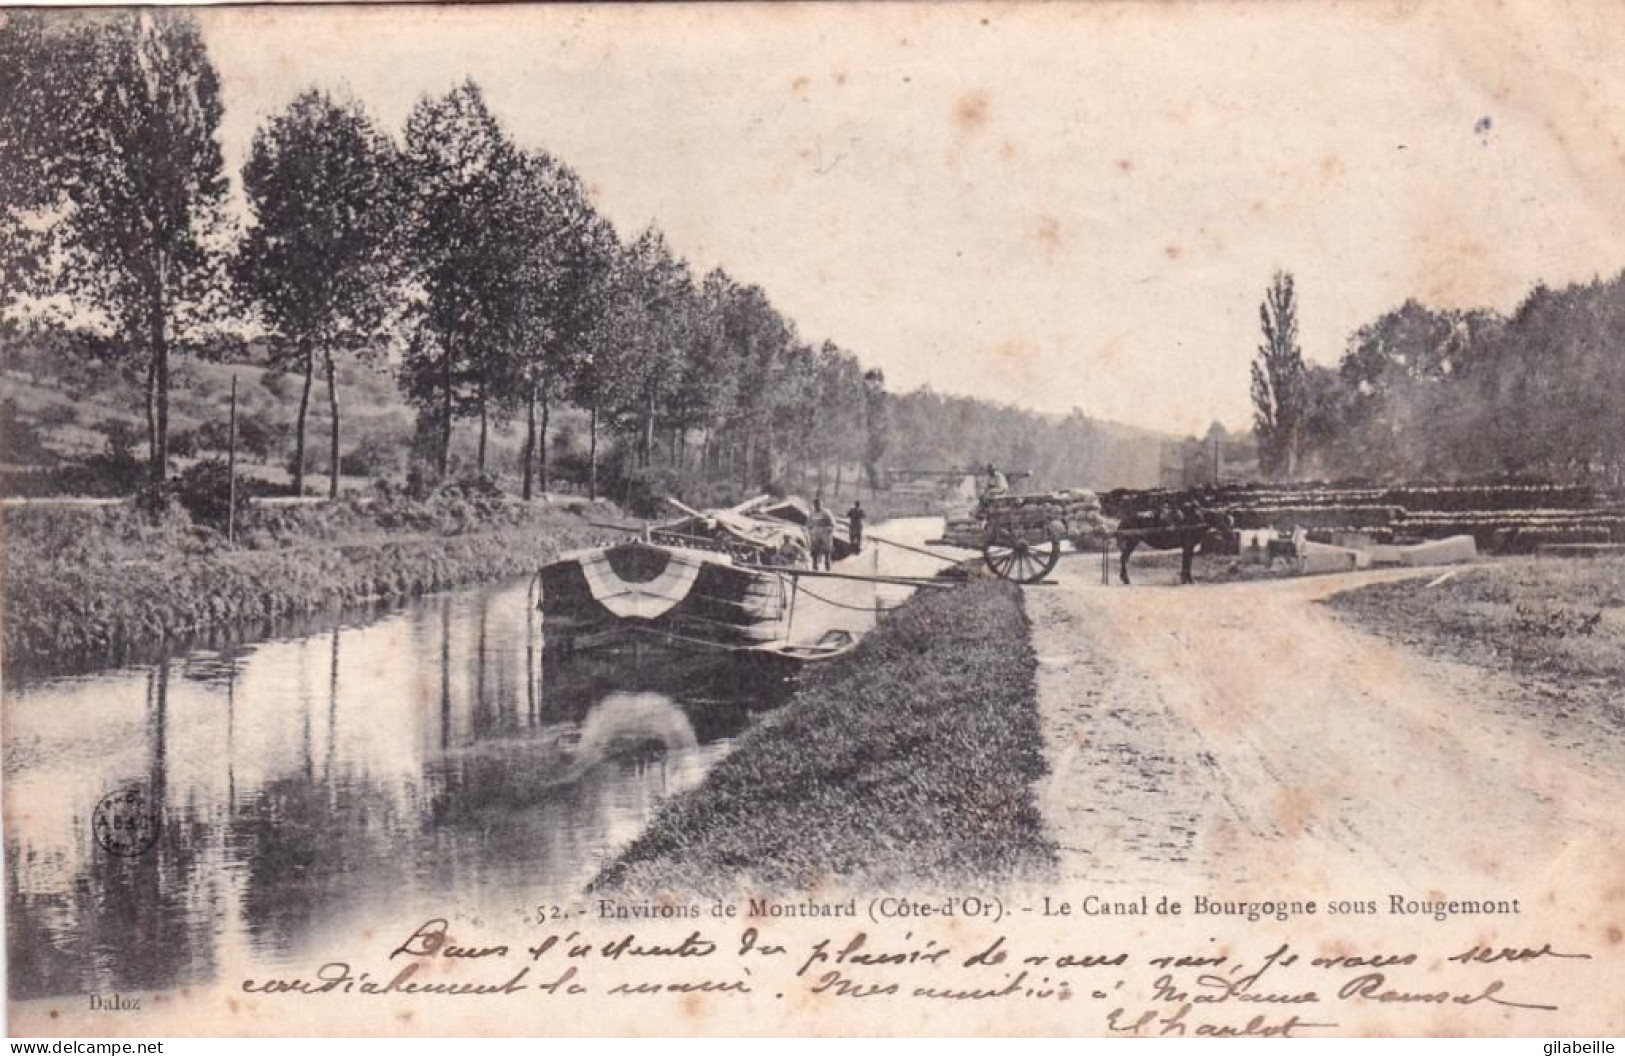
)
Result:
{"points": [[1556, 625], [87, 586], [910, 761]]}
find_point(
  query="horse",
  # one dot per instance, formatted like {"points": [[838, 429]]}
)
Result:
{"points": [[1166, 529]]}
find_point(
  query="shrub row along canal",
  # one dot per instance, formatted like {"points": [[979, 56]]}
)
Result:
{"points": [[86, 587]]}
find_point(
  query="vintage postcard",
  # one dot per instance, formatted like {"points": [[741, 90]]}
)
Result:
{"points": [[1096, 519]]}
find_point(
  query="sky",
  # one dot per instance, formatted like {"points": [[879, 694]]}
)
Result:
{"points": [[1057, 206]]}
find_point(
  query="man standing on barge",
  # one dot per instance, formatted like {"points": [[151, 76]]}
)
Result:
{"points": [[821, 534]]}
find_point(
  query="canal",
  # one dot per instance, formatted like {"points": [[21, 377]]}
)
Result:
{"points": [[311, 786]]}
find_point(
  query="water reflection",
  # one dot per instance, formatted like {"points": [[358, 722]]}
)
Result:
{"points": [[413, 759]]}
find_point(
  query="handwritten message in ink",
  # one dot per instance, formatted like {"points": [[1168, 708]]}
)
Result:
{"points": [[955, 951]]}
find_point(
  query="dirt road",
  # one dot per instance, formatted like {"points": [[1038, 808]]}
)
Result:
{"points": [[1242, 733]]}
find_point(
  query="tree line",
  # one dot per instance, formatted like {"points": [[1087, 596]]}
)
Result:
{"points": [[1450, 394], [472, 266], [934, 431]]}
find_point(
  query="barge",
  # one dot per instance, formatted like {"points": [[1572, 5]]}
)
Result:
{"points": [[647, 595]]}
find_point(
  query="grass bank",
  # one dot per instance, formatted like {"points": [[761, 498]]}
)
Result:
{"points": [[85, 587], [1557, 625], [912, 760]]}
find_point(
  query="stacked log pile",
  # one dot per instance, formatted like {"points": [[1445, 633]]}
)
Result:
{"points": [[1070, 514], [1502, 518], [964, 529]]}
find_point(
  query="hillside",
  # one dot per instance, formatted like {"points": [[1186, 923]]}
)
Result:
{"points": [[62, 407]]}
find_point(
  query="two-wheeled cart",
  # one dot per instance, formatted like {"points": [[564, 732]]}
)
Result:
{"points": [[1023, 537]]}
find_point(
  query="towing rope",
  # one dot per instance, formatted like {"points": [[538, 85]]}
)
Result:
{"points": [[844, 605]]}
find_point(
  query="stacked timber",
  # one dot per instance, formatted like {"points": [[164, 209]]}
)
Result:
{"points": [[1073, 513], [1501, 518], [964, 529]]}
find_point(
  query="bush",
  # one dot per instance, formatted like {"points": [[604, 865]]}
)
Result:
{"points": [[156, 502], [419, 480], [97, 477], [373, 456], [256, 438], [212, 436], [474, 486], [19, 438], [457, 506], [113, 475], [204, 491], [106, 537], [645, 489], [120, 437], [282, 386], [122, 588], [573, 468], [314, 473], [56, 415]]}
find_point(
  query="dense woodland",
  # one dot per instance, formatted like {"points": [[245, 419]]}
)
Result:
{"points": [[931, 431], [1427, 394]]}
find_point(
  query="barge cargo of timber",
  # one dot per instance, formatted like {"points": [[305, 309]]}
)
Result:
{"points": [[641, 593]]}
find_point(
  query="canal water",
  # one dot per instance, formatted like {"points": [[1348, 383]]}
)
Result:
{"points": [[418, 761]]}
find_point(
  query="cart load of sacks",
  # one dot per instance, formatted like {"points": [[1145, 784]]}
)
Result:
{"points": [[1071, 514]]}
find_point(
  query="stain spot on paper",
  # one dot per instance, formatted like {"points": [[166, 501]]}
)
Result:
{"points": [[1293, 809], [1013, 351], [1049, 236], [971, 112]]}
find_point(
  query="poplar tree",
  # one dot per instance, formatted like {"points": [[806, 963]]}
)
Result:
{"points": [[459, 165], [1278, 387], [553, 303], [320, 263], [119, 113]]}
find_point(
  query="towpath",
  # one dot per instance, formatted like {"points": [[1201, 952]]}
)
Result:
{"points": [[1242, 734]]}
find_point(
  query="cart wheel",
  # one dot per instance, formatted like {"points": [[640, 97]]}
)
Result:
{"points": [[1011, 557]]}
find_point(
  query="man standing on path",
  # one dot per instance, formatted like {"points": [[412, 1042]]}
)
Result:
{"points": [[820, 534], [854, 518]]}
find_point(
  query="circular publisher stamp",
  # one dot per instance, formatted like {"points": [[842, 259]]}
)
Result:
{"points": [[125, 823]]}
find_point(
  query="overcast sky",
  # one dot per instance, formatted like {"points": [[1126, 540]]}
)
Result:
{"points": [[1054, 206]]}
